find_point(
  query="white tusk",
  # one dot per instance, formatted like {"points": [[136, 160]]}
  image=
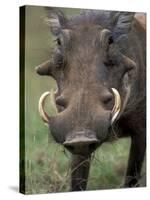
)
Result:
{"points": [[117, 106], [52, 100], [43, 114]]}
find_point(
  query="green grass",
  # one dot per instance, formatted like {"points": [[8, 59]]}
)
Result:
{"points": [[47, 164]]}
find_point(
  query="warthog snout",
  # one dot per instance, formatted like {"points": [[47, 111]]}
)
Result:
{"points": [[84, 123], [82, 142]]}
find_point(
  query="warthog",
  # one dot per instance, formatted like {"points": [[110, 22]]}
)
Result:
{"points": [[99, 67]]}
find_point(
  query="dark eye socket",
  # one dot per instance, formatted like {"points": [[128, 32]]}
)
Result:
{"points": [[58, 41], [110, 40]]}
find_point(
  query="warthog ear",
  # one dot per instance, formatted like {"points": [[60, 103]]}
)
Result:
{"points": [[122, 22], [56, 20]]}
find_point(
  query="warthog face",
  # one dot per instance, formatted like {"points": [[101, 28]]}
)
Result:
{"points": [[93, 79]]}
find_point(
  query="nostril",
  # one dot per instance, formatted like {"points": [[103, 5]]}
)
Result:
{"points": [[107, 98], [60, 101]]}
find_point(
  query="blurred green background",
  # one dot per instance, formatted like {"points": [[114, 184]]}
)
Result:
{"points": [[47, 164]]}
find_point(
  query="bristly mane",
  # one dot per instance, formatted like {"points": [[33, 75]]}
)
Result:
{"points": [[103, 18]]}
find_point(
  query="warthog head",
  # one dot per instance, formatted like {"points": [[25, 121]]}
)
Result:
{"points": [[92, 75]]}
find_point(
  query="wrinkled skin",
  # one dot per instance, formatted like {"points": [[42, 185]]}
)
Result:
{"points": [[95, 52]]}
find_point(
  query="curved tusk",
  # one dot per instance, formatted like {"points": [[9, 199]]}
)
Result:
{"points": [[117, 107], [52, 99], [43, 114]]}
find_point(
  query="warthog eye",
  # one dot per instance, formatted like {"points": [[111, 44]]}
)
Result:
{"points": [[106, 39], [59, 41], [110, 40]]}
